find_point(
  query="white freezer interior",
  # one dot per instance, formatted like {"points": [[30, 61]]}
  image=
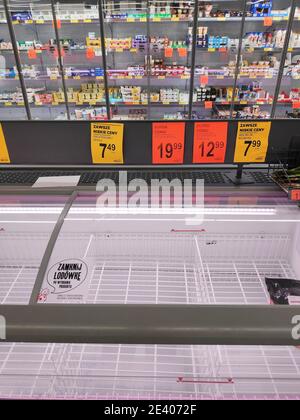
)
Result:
{"points": [[147, 262]]}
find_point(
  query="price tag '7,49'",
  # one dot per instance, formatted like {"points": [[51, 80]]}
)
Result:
{"points": [[210, 142], [107, 143], [4, 155], [252, 142], [168, 143]]}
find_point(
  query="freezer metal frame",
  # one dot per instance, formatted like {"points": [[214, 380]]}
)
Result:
{"points": [[146, 324]]}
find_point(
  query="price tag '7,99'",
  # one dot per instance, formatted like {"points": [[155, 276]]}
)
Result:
{"points": [[107, 143], [168, 143], [210, 142], [252, 142]]}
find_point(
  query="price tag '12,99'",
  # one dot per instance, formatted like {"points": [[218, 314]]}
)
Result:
{"points": [[252, 142], [168, 143], [210, 142], [107, 143]]}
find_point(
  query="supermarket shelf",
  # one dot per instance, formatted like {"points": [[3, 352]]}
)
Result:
{"points": [[153, 104], [162, 51], [152, 20]]}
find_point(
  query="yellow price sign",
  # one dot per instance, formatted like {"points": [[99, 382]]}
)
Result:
{"points": [[4, 155], [252, 142], [107, 142]]}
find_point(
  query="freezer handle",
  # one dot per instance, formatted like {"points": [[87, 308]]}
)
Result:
{"points": [[152, 324]]}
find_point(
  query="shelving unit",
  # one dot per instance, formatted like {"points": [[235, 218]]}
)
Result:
{"points": [[152, 69]]}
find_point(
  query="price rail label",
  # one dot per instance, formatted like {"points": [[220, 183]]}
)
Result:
{"points": [[168, 143], [252, 142], [107, 143], [210, 142]]}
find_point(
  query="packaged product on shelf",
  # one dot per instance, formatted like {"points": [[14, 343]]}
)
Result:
{"points": [[54, 72], [131, 93], [202, 37], [10, 73], [92, 40], [97, 113], [294, 40], [261, 8], [118, 44], [46, 98], [21, 16], [169, 95], [203, 94], [139, 42], [30, 72], [5, 45]]}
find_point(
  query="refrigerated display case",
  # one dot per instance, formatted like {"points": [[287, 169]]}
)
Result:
{"points": [[65, 340], [142, 60]]}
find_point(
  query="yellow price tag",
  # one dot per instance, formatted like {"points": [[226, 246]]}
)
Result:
{"points": [[211, 49], [252, 142], [74, 20], [40, 21], [130, 20], [4, 155], [143, 19], [87, 21], [107, 142]]}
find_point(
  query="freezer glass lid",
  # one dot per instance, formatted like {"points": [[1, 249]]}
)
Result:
{"points": [[222, 251], [26, 225]]}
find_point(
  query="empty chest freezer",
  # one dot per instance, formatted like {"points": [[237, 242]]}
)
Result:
{"points": [[70, 271]]}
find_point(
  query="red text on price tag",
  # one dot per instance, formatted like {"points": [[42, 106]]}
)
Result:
{"points": [[32, 54], [204, 80], [295, 195], [168, 52], [168, 143], [210, 142], [268, 21], [182, 52]]}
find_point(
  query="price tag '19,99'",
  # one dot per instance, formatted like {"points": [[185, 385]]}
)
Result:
{"points": [[107, 143], [252, 142], [168, 143], [210, 142]]}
